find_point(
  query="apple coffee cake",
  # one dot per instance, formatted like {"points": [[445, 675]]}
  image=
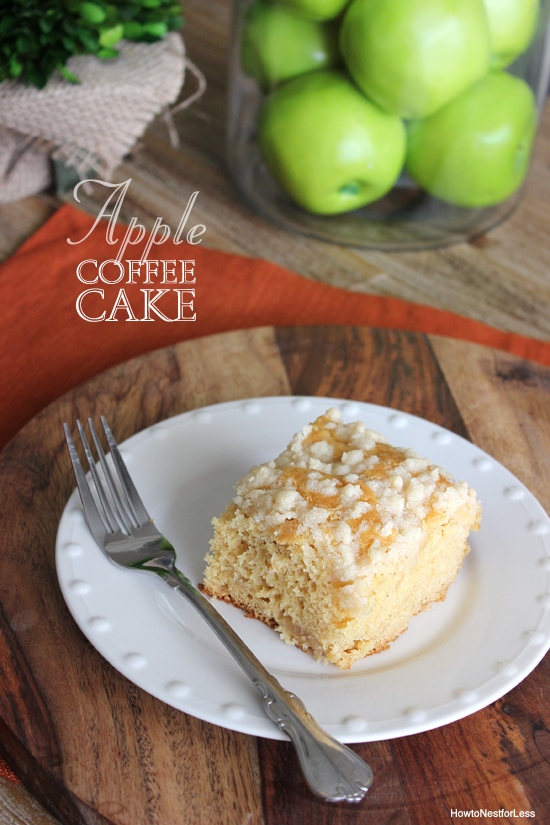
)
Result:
{"points": [[340, 540]]}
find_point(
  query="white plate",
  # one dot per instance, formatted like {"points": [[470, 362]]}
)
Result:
{"points": [[455, 658]]}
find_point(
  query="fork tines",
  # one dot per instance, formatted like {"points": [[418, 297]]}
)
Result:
{"points": [[116, 504]]}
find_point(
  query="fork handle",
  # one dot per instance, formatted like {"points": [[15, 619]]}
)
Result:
{"points": [[332, 770]]}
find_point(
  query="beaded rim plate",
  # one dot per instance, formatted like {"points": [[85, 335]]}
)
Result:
{"points": [[456, 657]]}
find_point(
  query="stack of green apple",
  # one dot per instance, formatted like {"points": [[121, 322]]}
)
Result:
{"points": [[358, 92]]}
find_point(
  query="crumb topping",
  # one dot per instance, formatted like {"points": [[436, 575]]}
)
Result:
{"points": [[356, 493]]}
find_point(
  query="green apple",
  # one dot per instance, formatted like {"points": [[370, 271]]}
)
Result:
{"points": [[412, 56], [512, 25], [329, 148], [316, 9], [475, 151], [278, 45]]}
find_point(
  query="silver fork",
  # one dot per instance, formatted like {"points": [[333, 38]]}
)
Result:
{"points": [[123, 529]]}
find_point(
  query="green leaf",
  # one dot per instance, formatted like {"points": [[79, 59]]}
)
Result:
{"points": [[156, 29], [45, 25], [25, 43], [107, 54], [68, 75], [16, 67], [112, 17], [92, 12], [110, 37], [88, 39], [133, 30]]}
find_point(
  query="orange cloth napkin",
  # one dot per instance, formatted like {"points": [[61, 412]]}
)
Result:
{"points": [[6, 772], [46, 348]]}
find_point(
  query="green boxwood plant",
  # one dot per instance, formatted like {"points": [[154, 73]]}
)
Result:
{"points": [[37, 37]]}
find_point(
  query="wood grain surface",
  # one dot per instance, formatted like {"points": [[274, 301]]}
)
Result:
{"points": [[97, 750], [501, 278]]}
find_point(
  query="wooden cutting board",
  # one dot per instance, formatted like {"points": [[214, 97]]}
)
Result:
{"points": [[99, 751]]}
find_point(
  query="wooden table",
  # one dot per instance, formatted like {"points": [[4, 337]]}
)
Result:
{"points": [[501, 278], [99, 750]]}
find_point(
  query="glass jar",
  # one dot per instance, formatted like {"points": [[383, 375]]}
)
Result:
{"points": [[278, 134]]}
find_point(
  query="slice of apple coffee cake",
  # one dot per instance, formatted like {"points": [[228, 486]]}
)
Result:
{"points": [[340, 540]]}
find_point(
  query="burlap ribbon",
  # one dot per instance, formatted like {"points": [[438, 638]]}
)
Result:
{"points": [[90, 125]]}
